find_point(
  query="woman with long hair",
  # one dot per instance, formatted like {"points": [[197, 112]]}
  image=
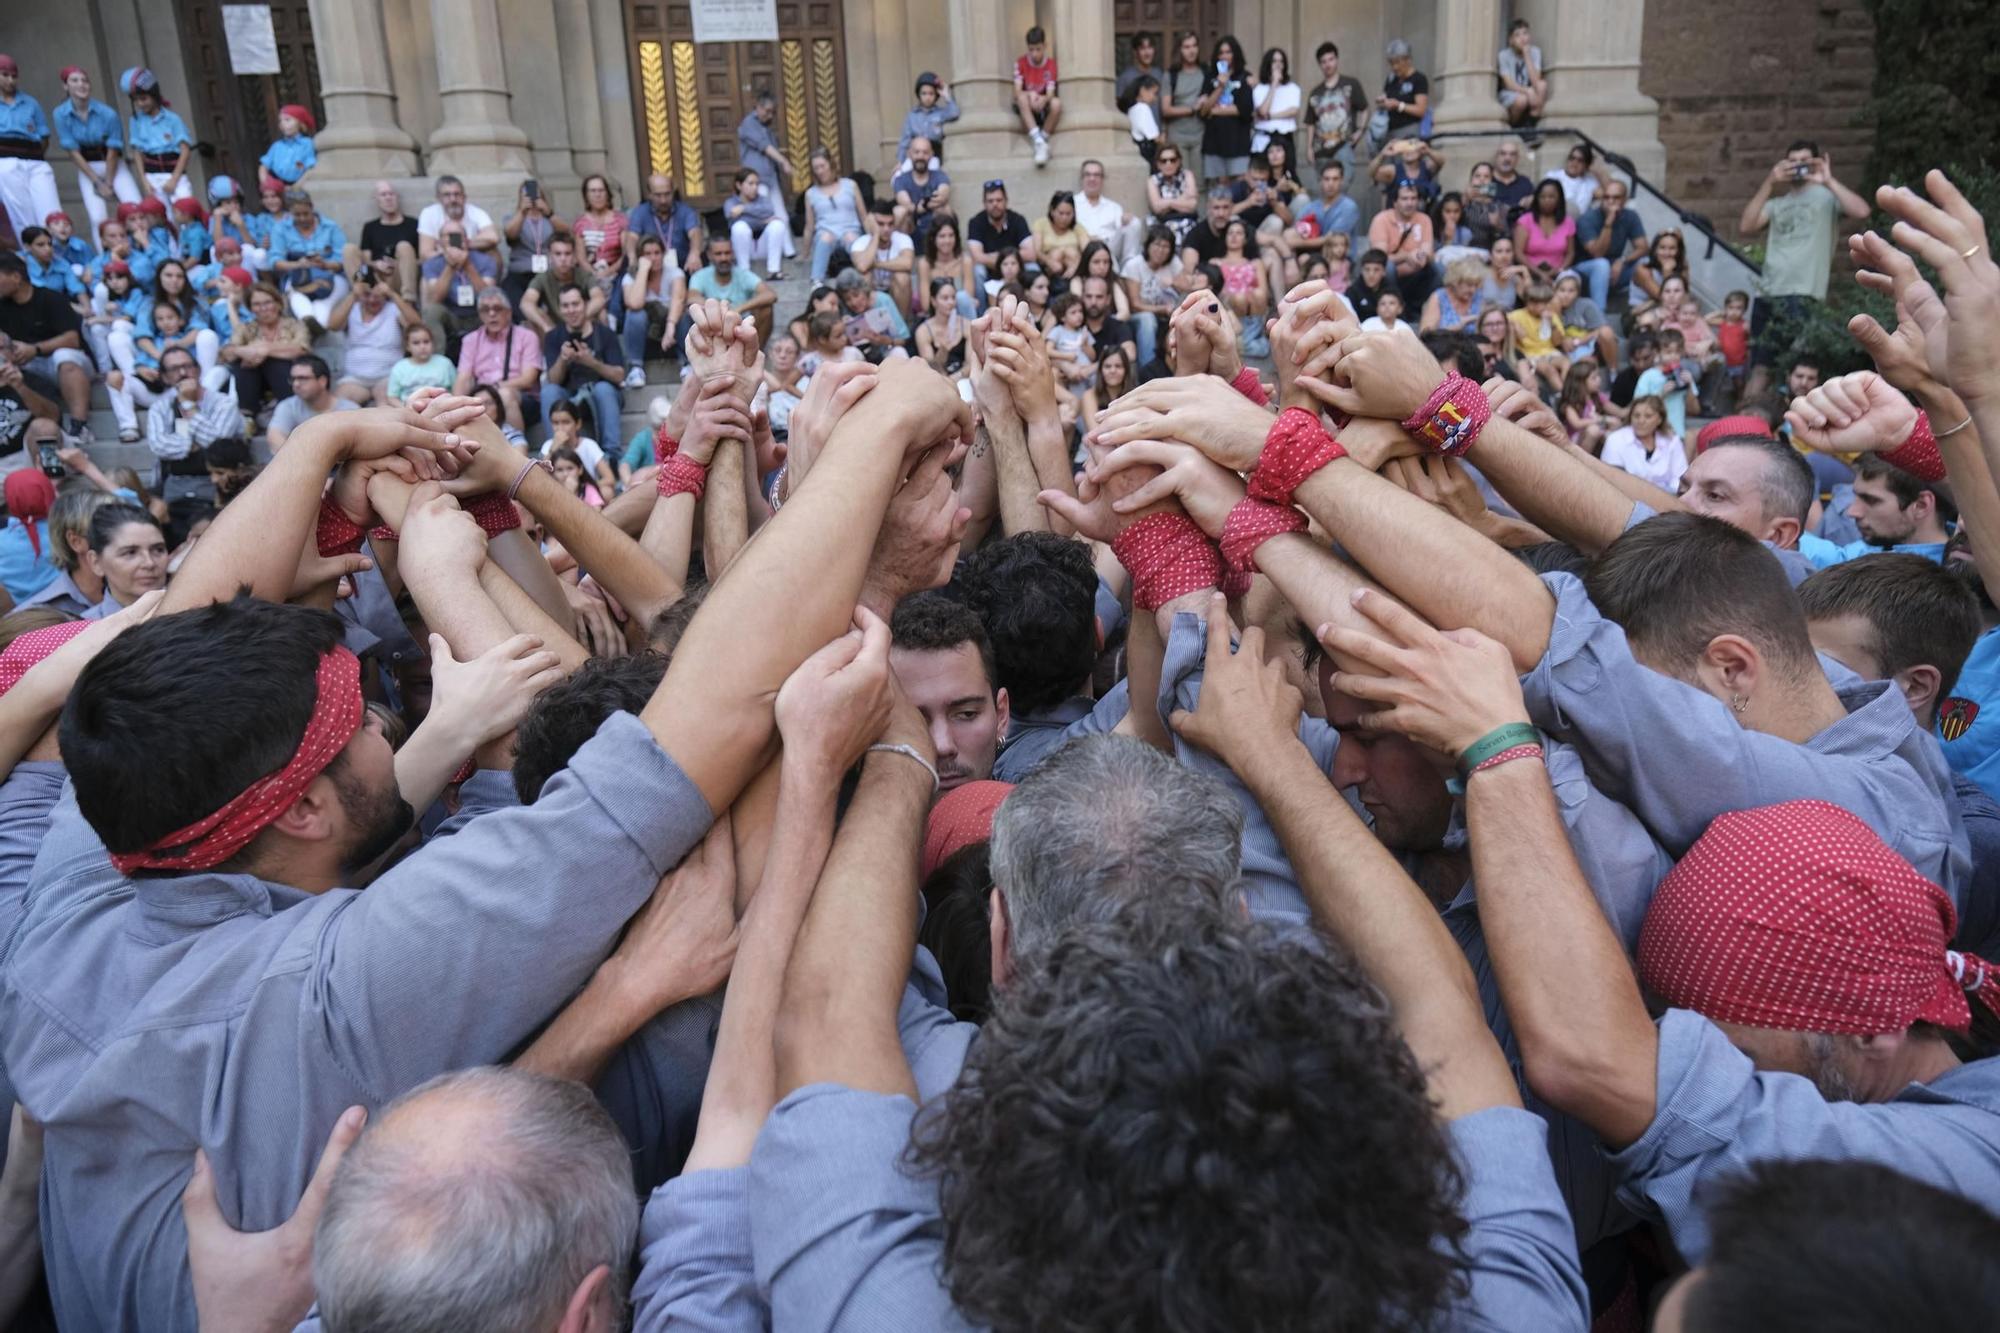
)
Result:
{"points": [[1275, 103], [944, 257], [833, 212], [1228, 108], [1115, 379], [261, 353], [1664, 259], [1099, 262], [1545, 237]]}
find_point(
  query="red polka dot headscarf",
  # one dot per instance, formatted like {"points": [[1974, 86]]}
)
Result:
{"points": [[1798, 917]]}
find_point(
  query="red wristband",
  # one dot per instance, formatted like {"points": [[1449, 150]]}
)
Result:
{"points": [[1452, 417], [1530, 751], [495, 512], [1168, 557], [336, 533], [679, 475], [1296, 446], [1919, 454], [1234, 585], [665, 446], [465, 770], [1247, 384], [382, 532], [1249, 525]]}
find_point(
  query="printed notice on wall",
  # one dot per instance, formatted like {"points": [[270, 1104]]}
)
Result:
{"points": [[253, 47], [734, 20]]}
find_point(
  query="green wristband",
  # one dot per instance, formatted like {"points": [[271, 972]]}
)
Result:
{"points": [[1494, 741]]}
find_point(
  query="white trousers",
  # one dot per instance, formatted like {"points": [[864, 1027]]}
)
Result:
{"points": [[772, 241], [122, 185], [28, 191]]}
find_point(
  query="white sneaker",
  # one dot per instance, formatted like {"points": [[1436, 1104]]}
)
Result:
{"points": [[1041, 150], [635, 378]]}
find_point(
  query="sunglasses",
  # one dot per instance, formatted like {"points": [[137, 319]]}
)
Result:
{"points": [[995, 184]]}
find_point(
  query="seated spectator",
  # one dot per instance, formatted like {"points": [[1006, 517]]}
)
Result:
{"points": [[1611, 242], [1641, 352], [1036, 97], [1116, 377], [666, 215], [1371, 281], [873, 322], [193, 241], [128, 551], [926, 120], [566, 437], [139, 378], [1664, 259], [833, 213], [1244, 287], [389, 243], [374, 316], [503, 355], [1059, 241], [451, 213], [312, 394], [786, 382], [20, 408], [1152, 290], [584, 363], [1675, 378], [1586, 331], [1459, 300], [306, 251], [1649, 448], [600, 231], [1072, 351], [1453, 232], [939, 339], [1524, 90], [1409, 161], [821, 301], [421, 365], [1172, 193], [1497, 347], [887, 257], [456, 277], [1485, 214], [1316, 221], [754, 223], [995, 228], [1097, 263], [1545, 236], [1103, 218], [922, 190], [1334, 264], [531, 231], [45, 342], [1403, 234], [944, 260], [1585, 410], [639, 452], [538, 301], [1388, 316], [655, 296], [45, 269], [721, 279], [1538, 334]]}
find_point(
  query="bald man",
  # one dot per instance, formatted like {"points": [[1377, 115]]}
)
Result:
{"points": [[666, 215]]}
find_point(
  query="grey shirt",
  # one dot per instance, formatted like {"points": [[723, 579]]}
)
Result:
{"points": [[293, 413], [695, 1269], [143, 1019], [1033, 737], [753, 138], [26, 798], [1716, 1114], [1676, 756]]}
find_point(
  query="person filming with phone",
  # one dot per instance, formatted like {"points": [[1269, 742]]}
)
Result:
{"points": [[1802, 203]]}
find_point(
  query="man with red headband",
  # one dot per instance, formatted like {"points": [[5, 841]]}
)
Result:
{"points": [[27, 183], [281, 996], [1805, 966]]}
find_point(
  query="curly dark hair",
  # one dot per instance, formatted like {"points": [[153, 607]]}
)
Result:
{"points": [[932, 622], [1181, 1120], [570, 713], [1037, 594]]}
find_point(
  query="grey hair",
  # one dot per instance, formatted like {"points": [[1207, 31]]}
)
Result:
{"points": [[494, 1236], [1397, 49], [1105, 820]]}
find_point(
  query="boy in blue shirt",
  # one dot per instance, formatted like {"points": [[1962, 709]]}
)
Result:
{"points": [[70, 247], [194, 242], [1673, 379], [291, 157], [158, 136], [44, 268]]}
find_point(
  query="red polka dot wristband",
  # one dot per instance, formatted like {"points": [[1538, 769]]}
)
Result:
{"points": [[1247, 384], [680, 475], [1452, 417], [1919, 454], [336, 533], [1295, 447], [1249, 525], [1167, 557]]}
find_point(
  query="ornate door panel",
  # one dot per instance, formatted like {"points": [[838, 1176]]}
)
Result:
{"points": [[1167, 20], [234, 117], [692, 98]]}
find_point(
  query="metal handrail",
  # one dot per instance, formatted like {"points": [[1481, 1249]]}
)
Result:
{"points": [[1623, 163]]}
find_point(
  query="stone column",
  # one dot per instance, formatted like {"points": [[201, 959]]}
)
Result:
{"points": [[983, 82], [586, 120], [1462, 88], [478, 136], [361, 139], [1593, 57]]}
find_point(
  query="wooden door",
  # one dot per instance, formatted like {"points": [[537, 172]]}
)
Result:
{"points": [[1167, 20], [234, 117], [692, 98]]}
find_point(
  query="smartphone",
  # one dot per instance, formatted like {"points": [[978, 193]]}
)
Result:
{"points": [[532, 188], [50, 464], [1801, 170], [455, 239]]}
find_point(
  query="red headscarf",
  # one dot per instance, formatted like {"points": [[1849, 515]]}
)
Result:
{"points": [[209, 841], [153, 204], [1726, 426], [962, 817], [1798, 917], [191, 209], [30, 648], [29, 496], [62, 75], [303, 115]]}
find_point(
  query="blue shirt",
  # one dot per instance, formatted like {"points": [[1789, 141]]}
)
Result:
{"points": [[97, 127], [1343, 214], [1716, 1115], [22, 118], [24, 571], [326, 242], [261, 225], [75, 250], [1626, 230], [56, 275], [1822, 552], [195, 242], [1970, 736], [753, 140], [160, 134], [289, 159], [680, 225], [695, 1265]]}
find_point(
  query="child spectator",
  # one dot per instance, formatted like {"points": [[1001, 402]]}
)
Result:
{"points": [[1388, 316], [1070, 343], [1732, 334], [1334, 256], [566, 433], [1673, 380], [1374, 280], [421, 365], [1035, 93], [1583, 406], [45, 270], [826, 342], [194, 242], [1537, 332], [291, 156], [927, 118], [1647, 448], [71, 248], [152, 232], [1144, 117], [1640, 354], [568, 467]]}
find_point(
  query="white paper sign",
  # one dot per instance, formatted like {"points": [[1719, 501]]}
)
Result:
{"points": [[734, 20], [253, 47]]}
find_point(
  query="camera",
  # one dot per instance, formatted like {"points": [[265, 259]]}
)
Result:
{"points": [[1801, 170], [366, 277], [50, 464]]}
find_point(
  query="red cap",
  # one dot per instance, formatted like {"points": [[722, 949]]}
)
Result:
{"points": [[62, 75], [963, 816], [118, 266], [303, 115], [126, 212], [1722, 427], [239, 275], [153, 204], [50, 219], [191, 209]]}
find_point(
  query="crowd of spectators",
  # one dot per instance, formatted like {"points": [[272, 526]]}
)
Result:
{"points": [[1236, 760]]}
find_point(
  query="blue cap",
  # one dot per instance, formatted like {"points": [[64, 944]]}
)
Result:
{"points": [[221, 188]]}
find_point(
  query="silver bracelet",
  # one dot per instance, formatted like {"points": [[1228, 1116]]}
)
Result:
{"points": [[911, 752], [1946, 434]]}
